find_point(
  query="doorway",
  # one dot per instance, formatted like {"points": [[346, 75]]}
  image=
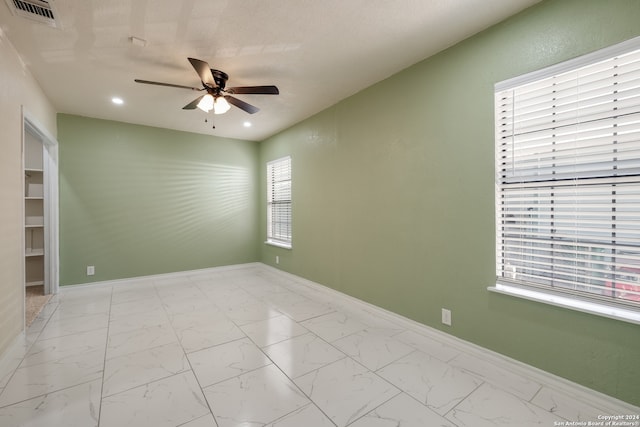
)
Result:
{"points": [[40, 244]]}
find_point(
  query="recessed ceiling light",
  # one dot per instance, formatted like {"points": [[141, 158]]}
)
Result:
{"points": [[247, 124], [117, 101]]}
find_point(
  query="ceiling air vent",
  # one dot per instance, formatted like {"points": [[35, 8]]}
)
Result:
{"points": [[38, 10]]}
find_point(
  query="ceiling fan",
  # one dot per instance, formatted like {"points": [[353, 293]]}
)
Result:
{"points": [[218, 96]]}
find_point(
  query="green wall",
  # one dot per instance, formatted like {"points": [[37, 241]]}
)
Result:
{"points": [[394, 196], [137, 200]]}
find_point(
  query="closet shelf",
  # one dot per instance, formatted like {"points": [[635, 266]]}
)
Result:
{"points": [[35, 283], [35, 229], [34, 252]]}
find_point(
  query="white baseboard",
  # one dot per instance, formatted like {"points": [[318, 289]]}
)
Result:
{"points": [[161, 276]]}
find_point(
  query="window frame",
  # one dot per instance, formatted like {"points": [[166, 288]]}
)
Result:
{"points": [[575, 300], [280, 235]]}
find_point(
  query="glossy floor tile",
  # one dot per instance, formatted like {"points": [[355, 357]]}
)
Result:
{"points": [[333, 326], [139, 339], [272, 330], [434, 383], [167, 402], [67, 346], [254, 398], [249, 346], [372, 349], [346, 390], [135, 369], [403, 411], [302, 354], [489, 406], [77, 406], [222, 362], [307, 416], [35, 380]]}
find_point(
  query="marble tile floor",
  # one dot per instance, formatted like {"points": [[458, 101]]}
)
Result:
{"points": [[249, 347]]}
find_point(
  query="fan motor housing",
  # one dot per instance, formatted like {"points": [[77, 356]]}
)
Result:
{"points": [[220, 77]]}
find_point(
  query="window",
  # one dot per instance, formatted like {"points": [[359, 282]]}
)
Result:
{"points": [[568, 178], [279, 202]]}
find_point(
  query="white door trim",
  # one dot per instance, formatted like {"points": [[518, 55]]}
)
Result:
{"points": [[50, 175]]}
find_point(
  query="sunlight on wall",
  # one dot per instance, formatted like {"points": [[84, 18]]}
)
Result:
{"points": [[153, 201]]}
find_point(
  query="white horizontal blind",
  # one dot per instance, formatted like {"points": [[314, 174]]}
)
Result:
{"points": [[279, 201], [568, 181]]}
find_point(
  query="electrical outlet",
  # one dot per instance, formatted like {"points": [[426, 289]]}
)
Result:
{"points": [[91, 270], [277, 259], [446, 317]]}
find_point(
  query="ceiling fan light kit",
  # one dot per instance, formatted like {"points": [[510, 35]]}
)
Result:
{"points": [[217, 98], [220, 106], [206, 103]]}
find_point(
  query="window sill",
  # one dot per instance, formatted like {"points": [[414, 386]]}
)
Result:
{"points": [[278, 244], [599, 309]]}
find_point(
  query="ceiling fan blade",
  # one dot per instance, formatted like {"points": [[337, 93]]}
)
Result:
{"points": [[204, 71], [149, 82], [193, 104], [256, 90], [241, 104]]}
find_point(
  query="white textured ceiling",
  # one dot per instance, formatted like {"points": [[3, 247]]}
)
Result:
{"points": [[317, 52]]}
